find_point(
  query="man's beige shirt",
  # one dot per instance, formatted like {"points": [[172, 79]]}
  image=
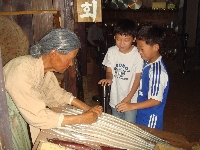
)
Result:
{"points": [[32, 90]]}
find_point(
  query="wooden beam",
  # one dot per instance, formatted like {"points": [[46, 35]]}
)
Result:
{"points": [[56, 14], [57, 19], [29, 12]]}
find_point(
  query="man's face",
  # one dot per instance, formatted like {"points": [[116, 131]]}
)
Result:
{"points": [[60, 62]]}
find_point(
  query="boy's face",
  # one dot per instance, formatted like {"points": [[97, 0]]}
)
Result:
{"points": [[148, 52], [124, 42]]}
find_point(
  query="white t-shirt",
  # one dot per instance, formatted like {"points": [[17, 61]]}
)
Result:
{"points": [[124, 67]]}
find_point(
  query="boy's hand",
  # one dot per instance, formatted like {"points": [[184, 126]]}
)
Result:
{"points": [[105, 82], [122, 107], [126, 100]]}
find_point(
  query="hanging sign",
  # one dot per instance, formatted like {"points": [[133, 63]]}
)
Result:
{"points": [[88, 11]]}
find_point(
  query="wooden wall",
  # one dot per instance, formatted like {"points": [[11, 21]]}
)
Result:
{"points": [[37, 25], [34, 26]]}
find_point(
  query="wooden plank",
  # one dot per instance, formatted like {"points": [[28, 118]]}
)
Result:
{"points": [[165, 147], [68, 22], [60, 5], [81, 33], [40, 23], [5, 5], [175, 140], [29, 12], [79, 29], [57, 20], [43, 23], [181, 30], [69, 14], [24, 21]]}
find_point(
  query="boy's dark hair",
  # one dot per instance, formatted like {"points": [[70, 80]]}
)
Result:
{"points": [[151, 35], [125, 27]]}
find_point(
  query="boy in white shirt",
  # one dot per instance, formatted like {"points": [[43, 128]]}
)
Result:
{"points": [[124, 66]]}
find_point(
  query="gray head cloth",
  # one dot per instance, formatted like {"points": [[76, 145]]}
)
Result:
{"points": [[60, 39]]}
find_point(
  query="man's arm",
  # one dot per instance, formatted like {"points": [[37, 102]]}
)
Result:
{"points": [[89, 116], [79, 104]]}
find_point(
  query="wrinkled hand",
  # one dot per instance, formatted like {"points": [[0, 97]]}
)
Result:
{"points": [[97, 109], [57, 109], [123, 107], [91, 115], [105, 82]]}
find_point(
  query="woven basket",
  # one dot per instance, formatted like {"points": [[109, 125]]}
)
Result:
{"points": [[13, 42]]}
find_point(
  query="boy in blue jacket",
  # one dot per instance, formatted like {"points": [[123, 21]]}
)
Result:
{"points": [[154, 81]]}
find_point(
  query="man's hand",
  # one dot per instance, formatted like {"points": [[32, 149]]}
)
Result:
{"points": [[87, 117], [97, 109], [92, 114], [57, 109]]}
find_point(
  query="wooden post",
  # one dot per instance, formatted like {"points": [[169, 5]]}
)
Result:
{"points": [[181, 30], [57, 19], [5, 131], [69, 75], [197, 42]]}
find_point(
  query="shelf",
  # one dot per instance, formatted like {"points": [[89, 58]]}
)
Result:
{"points": [[140, 10]]}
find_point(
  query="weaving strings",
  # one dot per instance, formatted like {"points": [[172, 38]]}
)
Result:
{"points": [[110, 131]]}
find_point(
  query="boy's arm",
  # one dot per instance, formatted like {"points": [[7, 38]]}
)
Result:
{"points": [[146, 104], [109, 74], [140, 105], [134, 88]]}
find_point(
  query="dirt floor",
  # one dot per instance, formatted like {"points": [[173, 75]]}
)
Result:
{"points": [[182, 112]]}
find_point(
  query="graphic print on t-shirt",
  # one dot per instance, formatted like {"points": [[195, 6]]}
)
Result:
{"points": [[120, 71]]}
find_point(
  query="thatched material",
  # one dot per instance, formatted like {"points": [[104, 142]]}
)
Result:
{"points": [[13, 41]]}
